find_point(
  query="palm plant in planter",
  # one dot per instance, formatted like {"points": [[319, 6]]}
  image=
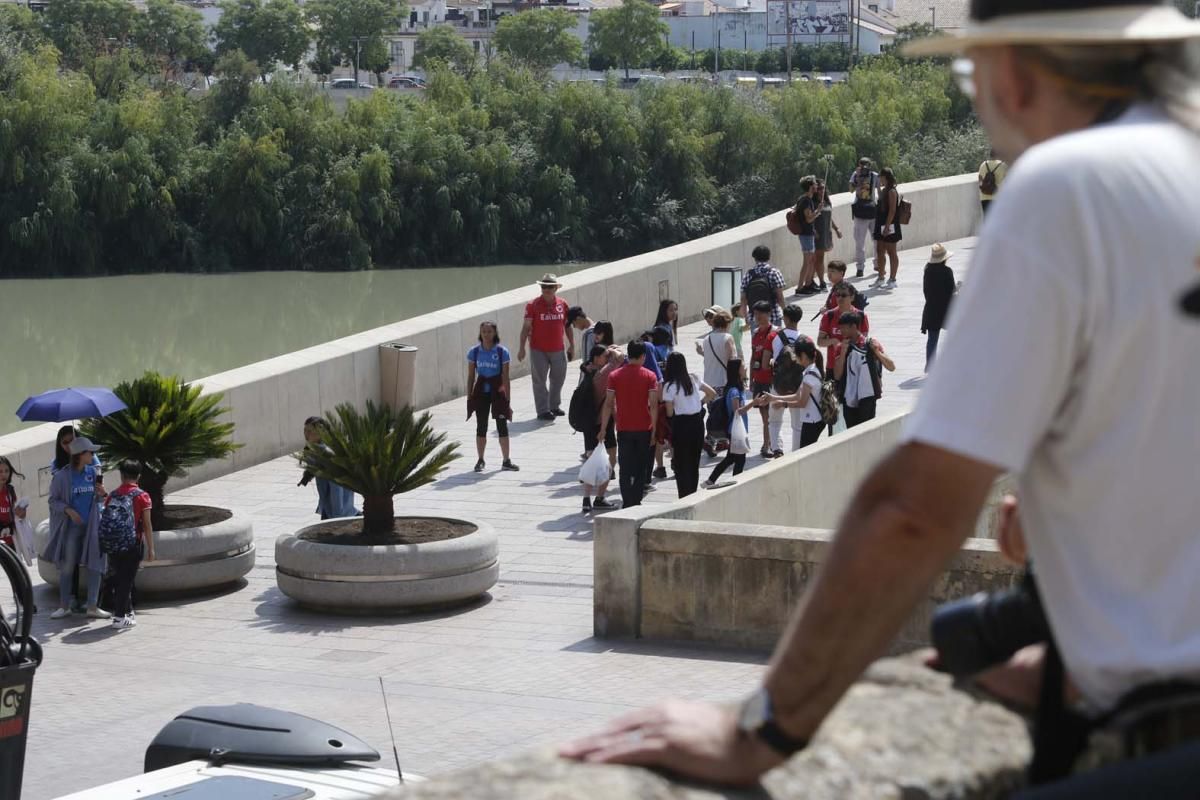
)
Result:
{"points": [[378, 454], [167, 426]]}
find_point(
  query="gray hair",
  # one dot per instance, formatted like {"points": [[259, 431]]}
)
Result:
{"points": [[1167, 74]]}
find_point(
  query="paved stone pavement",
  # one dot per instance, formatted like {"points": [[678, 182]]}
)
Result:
{"points": [[518, 670]]}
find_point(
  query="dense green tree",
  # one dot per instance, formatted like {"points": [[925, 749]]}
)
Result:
{"points": [[269, 32], [171, 35], [442, 45], [20, 29], [539, 39], [498, 166], [83, 30], [630, 34], [347, 29]]}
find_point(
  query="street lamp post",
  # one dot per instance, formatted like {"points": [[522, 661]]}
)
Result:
{"points": [[933, 10]]}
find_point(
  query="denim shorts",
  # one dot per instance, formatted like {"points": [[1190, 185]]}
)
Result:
{"points": [[808, 243]]}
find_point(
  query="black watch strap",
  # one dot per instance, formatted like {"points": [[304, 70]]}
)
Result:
{"points": [[774, 737]]}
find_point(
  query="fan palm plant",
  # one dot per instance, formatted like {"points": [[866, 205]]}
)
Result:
{"points": [[378, 454], [167, 426]]}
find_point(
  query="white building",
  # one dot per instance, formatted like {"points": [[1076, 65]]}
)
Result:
{"points": [[764, 25]]}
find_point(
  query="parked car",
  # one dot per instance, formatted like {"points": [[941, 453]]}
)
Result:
{"points": [[348, 83], [403, 82]]}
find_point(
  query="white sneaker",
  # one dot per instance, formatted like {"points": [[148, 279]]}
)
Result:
{"points": [[60, 613], [708, 484], [891, 284], [98, 613], [124, 623]]}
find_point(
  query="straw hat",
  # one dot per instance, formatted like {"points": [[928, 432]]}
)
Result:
{"points": [[713, 310], [1062, 22], [939, 254], [549, 280]]}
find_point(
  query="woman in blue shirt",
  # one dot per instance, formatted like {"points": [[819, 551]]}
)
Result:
{"points": [[75, 528], [487, 378]]}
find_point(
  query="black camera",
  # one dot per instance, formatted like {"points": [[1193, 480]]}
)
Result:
{"points": [[985, 630]]}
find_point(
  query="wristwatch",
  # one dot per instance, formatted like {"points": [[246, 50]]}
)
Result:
{"points": [[757, 718]]}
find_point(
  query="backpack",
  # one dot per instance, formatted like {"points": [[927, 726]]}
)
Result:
{"points": [[828, 406], [874, 369], [860, 301], [904, 211], [581, 414], [717, 422], [787, 374], [793, 222], [759, 289], [118, 526], [988, 184]]}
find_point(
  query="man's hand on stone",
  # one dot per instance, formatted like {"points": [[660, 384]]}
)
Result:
{"points": [[695, 740]]}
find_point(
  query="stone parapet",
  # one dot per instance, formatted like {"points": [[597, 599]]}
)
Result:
{"points": [[902, 732]]}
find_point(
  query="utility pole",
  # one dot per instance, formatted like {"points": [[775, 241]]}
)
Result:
{"points": [[933, 9], [358, 40], [787, 15]]}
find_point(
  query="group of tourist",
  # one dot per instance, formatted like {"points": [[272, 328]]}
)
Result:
{"points": [[640, 403]]}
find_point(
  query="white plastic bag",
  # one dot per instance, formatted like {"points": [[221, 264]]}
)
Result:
{"points": [[23, 535], [739, 437], [595, 470]]}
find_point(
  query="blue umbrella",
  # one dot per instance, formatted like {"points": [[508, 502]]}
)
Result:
{"points": [[60, 405]]}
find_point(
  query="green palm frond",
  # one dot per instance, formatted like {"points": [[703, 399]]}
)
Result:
{"points": [[379, 452]]}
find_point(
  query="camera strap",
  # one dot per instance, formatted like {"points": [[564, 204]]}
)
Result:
{"points": [[1059, 735]]}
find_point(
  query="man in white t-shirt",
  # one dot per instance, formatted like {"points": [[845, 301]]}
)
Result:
{"points": [[1085, 387]]}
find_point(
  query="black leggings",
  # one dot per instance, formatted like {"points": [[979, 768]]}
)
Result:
{"points": [[482, 412], [737, 460]]}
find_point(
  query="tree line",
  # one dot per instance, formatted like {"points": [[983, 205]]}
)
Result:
{"points": [[105, 168]]}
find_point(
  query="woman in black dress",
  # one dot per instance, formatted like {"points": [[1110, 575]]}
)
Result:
{"points": [[887, 228], [939, 289]]}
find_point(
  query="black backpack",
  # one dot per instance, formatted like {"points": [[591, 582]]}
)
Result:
{"points": [[759, 289], [718, 415], [581, 414], [988, 184], [786, 373]]}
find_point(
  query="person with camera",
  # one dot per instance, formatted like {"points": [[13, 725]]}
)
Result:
{"points": [[1102, 446], [864, 183]]}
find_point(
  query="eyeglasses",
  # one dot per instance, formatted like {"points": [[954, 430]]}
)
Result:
{"points": [[963, 72]]}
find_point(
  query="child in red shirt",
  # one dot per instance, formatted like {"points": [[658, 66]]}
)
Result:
{"points": [[125, 565]]}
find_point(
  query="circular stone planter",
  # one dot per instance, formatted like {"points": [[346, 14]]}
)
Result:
{"points": [[187, 560], [372, 579]]}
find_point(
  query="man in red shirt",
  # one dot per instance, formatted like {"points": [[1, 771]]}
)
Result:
{"points": [[633, 389], [125, 565], [553, 344], [831, 335]]}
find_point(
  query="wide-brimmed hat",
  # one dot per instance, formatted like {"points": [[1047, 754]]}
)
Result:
{"points": [[548, 280], [81, 444], [1061, 22], [939, 254], [714, 309]]}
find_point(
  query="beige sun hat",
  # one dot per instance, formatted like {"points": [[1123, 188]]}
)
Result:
{"points": [[1061, 22], [549, 279], [939, 254]]}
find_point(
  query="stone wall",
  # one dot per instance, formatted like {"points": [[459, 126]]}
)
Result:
{"points": [[266, 399], [808, 489], [736, 585], [901, 733]]}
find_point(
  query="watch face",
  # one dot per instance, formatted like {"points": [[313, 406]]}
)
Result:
{"points": [[755, 711]]}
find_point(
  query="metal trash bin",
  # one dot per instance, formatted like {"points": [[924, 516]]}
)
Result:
{"points": [[397, 371], [20, 656]]}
